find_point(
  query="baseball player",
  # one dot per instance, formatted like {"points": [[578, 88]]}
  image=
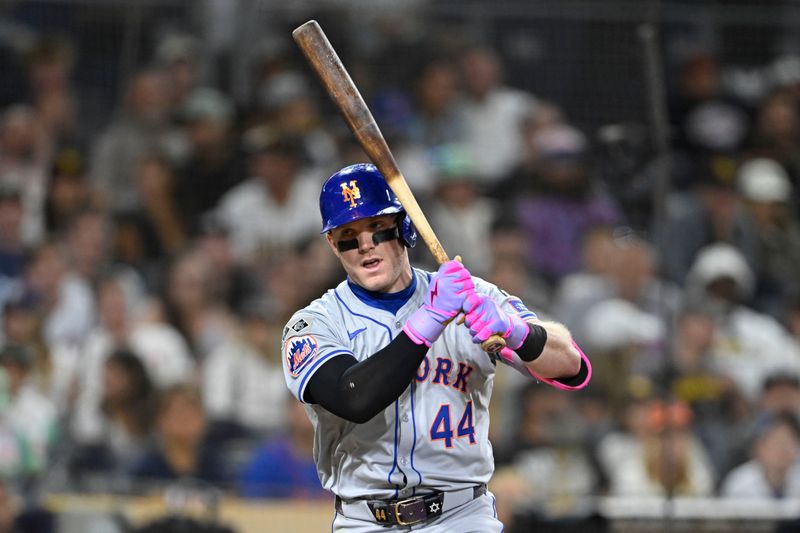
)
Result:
{"points": [[397, 390]]}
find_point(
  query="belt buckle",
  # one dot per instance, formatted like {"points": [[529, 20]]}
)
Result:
{"points": [[420, 508]]}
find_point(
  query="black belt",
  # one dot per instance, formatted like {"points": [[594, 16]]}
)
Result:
{"points": [[408, 511]]}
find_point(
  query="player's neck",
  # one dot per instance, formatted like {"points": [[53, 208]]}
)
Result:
{"points": [[389, 301]]}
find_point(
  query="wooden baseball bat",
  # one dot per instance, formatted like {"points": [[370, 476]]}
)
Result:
{"points": [[340, 87]]}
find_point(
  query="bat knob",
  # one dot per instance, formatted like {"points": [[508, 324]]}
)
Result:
{"points": [[493, 344]]}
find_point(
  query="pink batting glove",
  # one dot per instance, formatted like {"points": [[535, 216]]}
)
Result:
{"points": [[484, 318], [445, 299]]}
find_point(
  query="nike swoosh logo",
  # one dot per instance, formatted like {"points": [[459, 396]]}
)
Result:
{"points": [[354, 333]]}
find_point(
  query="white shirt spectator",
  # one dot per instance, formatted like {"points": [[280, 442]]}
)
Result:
{"points": [[242, 385], [73, 316], [257, 221], [493, 131], [163, 351], [630, 476], [748, 481], [749, 346], [31, 416]]}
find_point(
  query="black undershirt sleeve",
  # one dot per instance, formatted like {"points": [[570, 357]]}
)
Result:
{"points": [[357, 391], [534, 343]]}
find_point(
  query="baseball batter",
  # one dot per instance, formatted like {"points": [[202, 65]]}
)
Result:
{"points": [[397, 389]]}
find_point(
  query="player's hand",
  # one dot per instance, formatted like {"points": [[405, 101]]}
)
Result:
{"points": [[446, 296], [484, 318]]}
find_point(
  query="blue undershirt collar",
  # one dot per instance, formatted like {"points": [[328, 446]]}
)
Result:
{"points": [[388, 301]]}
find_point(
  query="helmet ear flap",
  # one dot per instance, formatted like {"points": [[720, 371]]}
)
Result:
{"points": [[408, 232]]}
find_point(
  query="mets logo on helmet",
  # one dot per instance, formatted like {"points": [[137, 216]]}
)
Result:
{"points": [[299, 352], [350, 192]]}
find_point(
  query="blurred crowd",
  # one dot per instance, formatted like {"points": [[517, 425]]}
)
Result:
{"points": [[148, 264]]}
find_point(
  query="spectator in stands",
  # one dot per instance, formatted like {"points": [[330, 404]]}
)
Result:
{"points": [[127, 408], [216, 160], [191, 306], [779, 396], [242, 378], [658, 456], [562, 204], [279, 194], [748, 345], [25, 151], [707, 212], [550, 443], [181, 449], [539, 117], [492, 115], [463, 218], [720, 413], [88, 246], [283, 467], [575, 293], [773, 472], [767, 194], [509, 268], [393, 110], [68, 191], [29, 414], [54, 95], [12, 248], [629, 283], [291, 110], [124, 326], [436, 121], [780, 393], [776, 132], [154, 230], [180, 56], [143, 127], [54, 367], [232, 282], [67, 298]]}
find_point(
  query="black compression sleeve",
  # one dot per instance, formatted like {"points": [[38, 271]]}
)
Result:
{"points": [[357, 391], [534, 343]]}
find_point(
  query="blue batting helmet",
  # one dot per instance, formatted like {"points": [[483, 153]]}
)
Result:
{"points": [[360, 191]]}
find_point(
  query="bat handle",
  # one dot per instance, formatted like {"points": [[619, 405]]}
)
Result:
{"points": [[493, 344]]}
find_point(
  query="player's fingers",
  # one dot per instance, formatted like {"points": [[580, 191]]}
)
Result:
{"points": [[483, 334], [471, 302], [472, 318]]}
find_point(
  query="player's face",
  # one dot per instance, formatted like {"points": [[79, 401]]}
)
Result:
{"points": [[381, 267]]}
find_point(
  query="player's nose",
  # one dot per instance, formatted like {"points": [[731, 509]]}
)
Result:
{"points": [[365, 243]]}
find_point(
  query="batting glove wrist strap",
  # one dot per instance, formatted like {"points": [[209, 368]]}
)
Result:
{"points": [[425, 325], [518, 332]]}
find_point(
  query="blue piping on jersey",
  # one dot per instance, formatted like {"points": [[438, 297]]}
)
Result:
{"points": [[414, 442], [394, 459], [388, 329], [313, 367], [396, 402]]}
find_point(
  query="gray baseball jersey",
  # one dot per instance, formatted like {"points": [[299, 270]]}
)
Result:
{"points": [[435, 435]]}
